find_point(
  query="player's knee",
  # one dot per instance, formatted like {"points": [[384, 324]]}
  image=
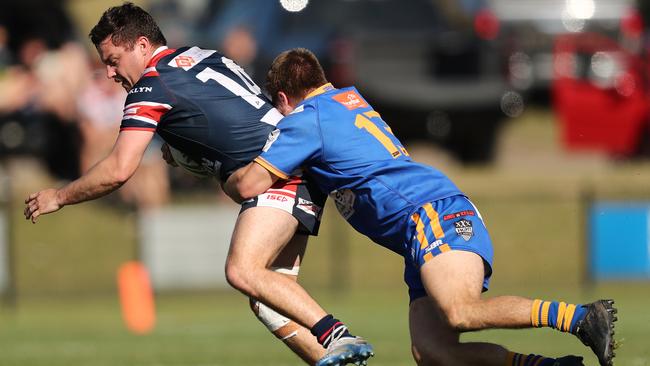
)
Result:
{"points": [[458, 318], [238, 277]]}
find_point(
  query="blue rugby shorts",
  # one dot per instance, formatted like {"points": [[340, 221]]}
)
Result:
{"points": [[452, 223]]}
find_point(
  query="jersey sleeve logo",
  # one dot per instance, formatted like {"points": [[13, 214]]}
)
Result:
{"points": [[350, 100], [190, 58]]}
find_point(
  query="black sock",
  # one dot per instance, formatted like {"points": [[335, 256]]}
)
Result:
{"points": [[329, 328]]}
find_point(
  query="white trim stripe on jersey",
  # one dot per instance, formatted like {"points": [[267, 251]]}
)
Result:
{"points": [[143, 119], [272, 117], [147, 104]]}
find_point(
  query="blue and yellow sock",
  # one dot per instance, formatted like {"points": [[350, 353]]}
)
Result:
{"points": [[519, 359], [558, 315]]}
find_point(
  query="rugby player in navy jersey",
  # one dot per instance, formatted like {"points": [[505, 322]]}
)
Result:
{"points": [[204, 105], [344, 146]]}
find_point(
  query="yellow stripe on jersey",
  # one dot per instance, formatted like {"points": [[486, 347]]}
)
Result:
{"points": [[371, 114], [422, 238], [320, 90], [268, 166], [434, 221], [445, 248], [427, 257]]}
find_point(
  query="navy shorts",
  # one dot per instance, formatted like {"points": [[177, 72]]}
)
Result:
{"points": [[297, 196], [436, 227]]}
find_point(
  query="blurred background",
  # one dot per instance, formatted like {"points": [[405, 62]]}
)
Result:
{"points": [[537, 109]]}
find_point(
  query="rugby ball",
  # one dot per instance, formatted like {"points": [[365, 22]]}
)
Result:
{"points": [[190, 165]]}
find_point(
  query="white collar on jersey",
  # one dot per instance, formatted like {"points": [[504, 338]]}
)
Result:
{"points": [[157, 51]]}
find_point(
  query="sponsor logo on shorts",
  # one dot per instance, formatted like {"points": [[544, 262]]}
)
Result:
{"points": [[344, 200], [351, 100], [276, 197], [464, 229], [459, 214], [433, 246], [309, 207]]}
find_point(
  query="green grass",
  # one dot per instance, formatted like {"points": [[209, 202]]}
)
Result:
{"points": [[217, 329]]}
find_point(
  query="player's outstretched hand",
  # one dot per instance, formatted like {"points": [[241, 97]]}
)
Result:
{"points": [[41, 203]]}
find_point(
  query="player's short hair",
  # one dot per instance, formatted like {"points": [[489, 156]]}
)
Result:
{"points": [[294, 72], [125, 23]]}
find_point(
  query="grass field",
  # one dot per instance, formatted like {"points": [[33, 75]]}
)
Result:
{"points": [[67, 311], [217, 329]]}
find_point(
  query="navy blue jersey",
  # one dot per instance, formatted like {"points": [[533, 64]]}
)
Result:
{"points": [[203, 104]]}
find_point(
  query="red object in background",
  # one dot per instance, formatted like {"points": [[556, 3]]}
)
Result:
{"points": [[486, 25], [632, 24], [592, 117]]}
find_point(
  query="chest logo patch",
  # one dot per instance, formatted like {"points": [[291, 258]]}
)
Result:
{"points": [[350, 100], [184, 61]]}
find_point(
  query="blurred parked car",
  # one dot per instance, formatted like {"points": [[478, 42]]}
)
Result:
{"points": [[434, 69], [601, 90], [530, 27]]}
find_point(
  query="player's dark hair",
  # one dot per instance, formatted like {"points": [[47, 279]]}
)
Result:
{"points": [[125, 23], [294, 72]]}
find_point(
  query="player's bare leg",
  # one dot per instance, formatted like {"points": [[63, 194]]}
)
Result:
{"points": [[251, 255], [298, 338], [454, 281]]}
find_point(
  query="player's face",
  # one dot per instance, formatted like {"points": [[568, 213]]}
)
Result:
{"points": [[124, 65]]}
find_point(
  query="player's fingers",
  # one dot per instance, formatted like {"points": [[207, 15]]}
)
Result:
{"points": [[30, 198], [35, 216]]}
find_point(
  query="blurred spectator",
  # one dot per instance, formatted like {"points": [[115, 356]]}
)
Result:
{"points": [[54, 108]]}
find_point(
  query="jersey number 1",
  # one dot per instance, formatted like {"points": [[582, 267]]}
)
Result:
{"points": [[249, 94], [365, 123]]}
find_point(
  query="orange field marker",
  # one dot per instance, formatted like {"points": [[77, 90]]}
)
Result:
{"points": [[136, 297]]}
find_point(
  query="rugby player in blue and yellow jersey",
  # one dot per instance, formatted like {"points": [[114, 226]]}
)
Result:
{"points": [[336, 138], [204, 105]]}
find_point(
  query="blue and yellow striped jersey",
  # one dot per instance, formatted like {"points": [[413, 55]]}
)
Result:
{"points": [[337, 139]]}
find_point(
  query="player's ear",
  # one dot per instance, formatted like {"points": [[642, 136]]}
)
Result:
{"points": [[142, 44], [282, 103]]}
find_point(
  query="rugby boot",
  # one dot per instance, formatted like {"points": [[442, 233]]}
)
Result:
{"points": [[596, 330], [569, 361], [346, 350]]}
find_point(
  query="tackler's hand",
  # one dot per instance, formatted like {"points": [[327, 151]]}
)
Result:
{"points": [[41, 203]]}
